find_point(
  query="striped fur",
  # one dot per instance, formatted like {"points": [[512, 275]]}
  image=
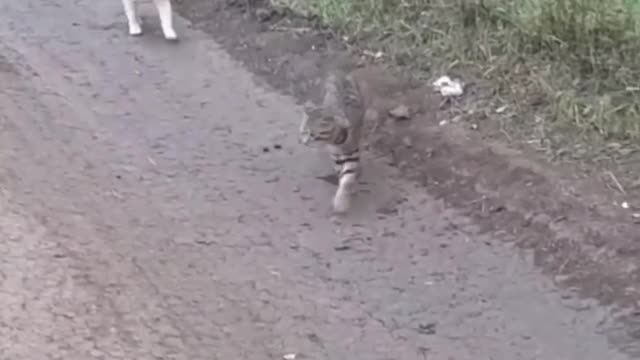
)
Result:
{"points": [[338, 126]]}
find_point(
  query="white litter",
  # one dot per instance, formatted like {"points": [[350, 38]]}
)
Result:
{"points": [[625, 205], [447, 87], [291, 356]]}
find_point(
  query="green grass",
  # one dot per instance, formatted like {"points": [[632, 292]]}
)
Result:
{"points": [[573, 63]]}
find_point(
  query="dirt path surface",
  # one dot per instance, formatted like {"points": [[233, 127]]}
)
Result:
{"points": [[155, 205]]}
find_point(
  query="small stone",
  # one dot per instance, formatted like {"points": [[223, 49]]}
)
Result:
{"points": [[407, 141], [400, 112], [427, 329], [273, 179]]}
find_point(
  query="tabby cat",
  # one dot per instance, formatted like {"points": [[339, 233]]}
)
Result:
{"points": [[337, 126]]}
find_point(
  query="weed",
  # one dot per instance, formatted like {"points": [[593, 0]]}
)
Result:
{"points": [[571, 62]]}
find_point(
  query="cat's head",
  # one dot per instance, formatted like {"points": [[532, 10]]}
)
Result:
{"points": [[320, 127]]}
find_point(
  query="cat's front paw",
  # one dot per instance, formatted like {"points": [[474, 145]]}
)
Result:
{"points": [[341, 202], [135, 29], [170, 34]]}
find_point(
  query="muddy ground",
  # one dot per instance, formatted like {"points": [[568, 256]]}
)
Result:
{"points": [[576, 229], [155, 204]]}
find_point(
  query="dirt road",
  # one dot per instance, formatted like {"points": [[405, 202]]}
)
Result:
{"points": [[155, 205]]}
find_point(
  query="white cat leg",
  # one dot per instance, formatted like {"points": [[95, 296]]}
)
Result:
{"points": [[132, 18], [342, 198], [166, 18]]}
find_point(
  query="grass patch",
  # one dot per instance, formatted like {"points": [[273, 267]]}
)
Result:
{"points": [[572, 64]]}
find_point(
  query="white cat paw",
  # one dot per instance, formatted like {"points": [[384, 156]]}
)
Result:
{"points": [[135, 29], [341, 203], [170, 34]]}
